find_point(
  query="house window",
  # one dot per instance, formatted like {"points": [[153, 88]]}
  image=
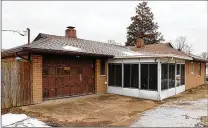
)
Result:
{"points": [[131, 75], [102, 67], [115, 75], [182, 79], [192, 68], [199, 69], [149, 76]]}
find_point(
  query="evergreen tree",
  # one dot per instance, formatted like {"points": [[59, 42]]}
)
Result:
{"points": [[143, 24]]}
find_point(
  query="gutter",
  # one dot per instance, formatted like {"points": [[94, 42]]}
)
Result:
{"points": [[153, 56]]}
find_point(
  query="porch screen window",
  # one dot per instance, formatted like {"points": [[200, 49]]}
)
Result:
{"points": [[102, 67], [182, 74], [171, 75], [149, 76], [164, 79], [168, 76], [115, 75], [131, 75]]}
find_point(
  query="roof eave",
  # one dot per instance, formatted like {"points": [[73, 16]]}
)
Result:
{"points": [[51, 51], [11, 52], [201, 60]]}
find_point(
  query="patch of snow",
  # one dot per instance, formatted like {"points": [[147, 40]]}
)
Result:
{"points": [[71, 48], [173, 115], [20, 120], [131, 53]]}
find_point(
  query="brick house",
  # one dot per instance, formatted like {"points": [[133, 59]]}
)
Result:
{"points": [[63, 66]]}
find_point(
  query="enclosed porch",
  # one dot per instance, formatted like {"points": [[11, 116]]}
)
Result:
{"points": [[148, 78]]}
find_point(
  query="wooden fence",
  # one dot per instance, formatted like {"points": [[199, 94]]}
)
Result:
{"points": [[15, 84]]}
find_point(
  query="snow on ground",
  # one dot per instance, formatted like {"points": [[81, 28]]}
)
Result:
{"points": [[176, 114], [20, 120]]}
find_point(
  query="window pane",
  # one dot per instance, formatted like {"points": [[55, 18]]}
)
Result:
{"points": [[102, 67], [111, 72], [153, 76], [171, 75], [118, 75], [144, 76], [164, 79], [182, 74], [192, 67], [134, 75], [199, 69], [127, 75]]}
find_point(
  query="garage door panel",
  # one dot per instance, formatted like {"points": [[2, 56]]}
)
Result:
{"points": [[45, 82], [51, 82], [59, 82], [52, 92], [66, 91]]}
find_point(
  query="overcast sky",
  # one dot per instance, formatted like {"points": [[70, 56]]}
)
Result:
{"points": [[103, 20]]}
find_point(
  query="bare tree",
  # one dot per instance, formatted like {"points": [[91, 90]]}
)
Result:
{"points": [[204, 55], [182, 45]]}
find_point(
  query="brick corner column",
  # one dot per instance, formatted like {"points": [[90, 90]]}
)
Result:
{"points": [[100, 86], [37, 79]]}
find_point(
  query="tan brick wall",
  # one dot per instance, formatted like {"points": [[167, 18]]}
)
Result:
{"points": [[37, 78], [193, 80], [100, 86]]}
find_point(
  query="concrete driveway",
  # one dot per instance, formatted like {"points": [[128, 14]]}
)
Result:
{"points": [[91, 110]]}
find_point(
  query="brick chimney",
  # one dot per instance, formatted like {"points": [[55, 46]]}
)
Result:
{"points": [[139, 43], [70, 32]]}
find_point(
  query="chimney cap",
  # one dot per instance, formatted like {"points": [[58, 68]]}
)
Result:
{"points": [[71, 27]]}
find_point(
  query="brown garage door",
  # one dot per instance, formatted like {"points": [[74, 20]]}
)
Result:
{"points": [[65, 76]]}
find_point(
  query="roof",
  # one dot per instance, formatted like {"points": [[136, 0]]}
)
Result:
{"points": [[61, 44], [161, 49], [46, 42]]}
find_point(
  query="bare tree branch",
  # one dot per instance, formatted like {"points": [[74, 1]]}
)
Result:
{"points": [[204, 55], [182, 45]]}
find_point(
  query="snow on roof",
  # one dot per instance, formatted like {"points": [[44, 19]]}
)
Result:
{"points": [[71, 48], [131, 53]]}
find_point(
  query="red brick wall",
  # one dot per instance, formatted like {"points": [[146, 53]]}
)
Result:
{"points": [[193, 79]]}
